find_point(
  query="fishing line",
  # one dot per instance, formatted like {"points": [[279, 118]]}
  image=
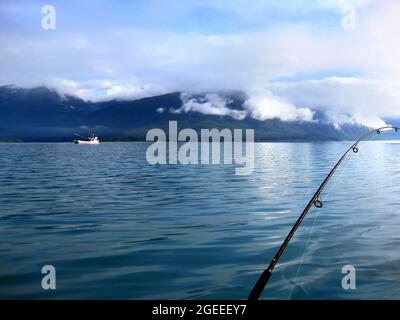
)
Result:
{"points": [[319, 206], [303, 256]]}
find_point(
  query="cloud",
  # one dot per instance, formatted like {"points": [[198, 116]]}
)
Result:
{"points": [[365, 100], [213, 104], [261, 106], [106, 89], [264, 105]]}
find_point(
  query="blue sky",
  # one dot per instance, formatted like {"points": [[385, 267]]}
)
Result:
{"points": [[292, 55], [204, 17]]}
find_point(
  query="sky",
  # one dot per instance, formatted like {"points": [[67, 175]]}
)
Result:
{"points": [[290, 57]]}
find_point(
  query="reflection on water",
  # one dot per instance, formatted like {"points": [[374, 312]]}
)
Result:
{"points": [[116, 227]]}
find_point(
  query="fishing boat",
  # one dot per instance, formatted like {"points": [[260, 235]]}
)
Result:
{"points": [[89, 140]]}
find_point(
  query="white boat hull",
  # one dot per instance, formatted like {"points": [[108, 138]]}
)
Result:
{"points": [[86, 142]]}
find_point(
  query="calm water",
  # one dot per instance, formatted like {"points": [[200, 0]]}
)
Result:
{"points": [[116, 227]]}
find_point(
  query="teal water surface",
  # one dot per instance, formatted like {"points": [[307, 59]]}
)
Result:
{"points": [[115, 227]]}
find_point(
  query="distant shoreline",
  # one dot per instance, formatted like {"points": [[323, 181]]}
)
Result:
{"points": [[144, 141], [122, 139]]}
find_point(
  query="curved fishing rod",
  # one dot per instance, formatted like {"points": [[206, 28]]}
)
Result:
{"points": [[315, 201]]}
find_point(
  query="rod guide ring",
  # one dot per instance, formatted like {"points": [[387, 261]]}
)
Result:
{"points": [[318, 203]]}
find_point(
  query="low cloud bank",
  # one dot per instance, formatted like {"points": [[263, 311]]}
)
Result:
{"points": [[264, 106], [261, 106], [105, 89], [346, 99], [211, 103]]}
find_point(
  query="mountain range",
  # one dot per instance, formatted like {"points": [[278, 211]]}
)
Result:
{"points": [[42, 114]]}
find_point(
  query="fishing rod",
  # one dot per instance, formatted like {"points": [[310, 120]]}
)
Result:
{"points": [[315, 201]]}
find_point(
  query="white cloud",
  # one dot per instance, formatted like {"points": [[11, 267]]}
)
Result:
{"points": [[264, 105], [105, 89], [365, 100], [339, 119], [212, 104]]}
